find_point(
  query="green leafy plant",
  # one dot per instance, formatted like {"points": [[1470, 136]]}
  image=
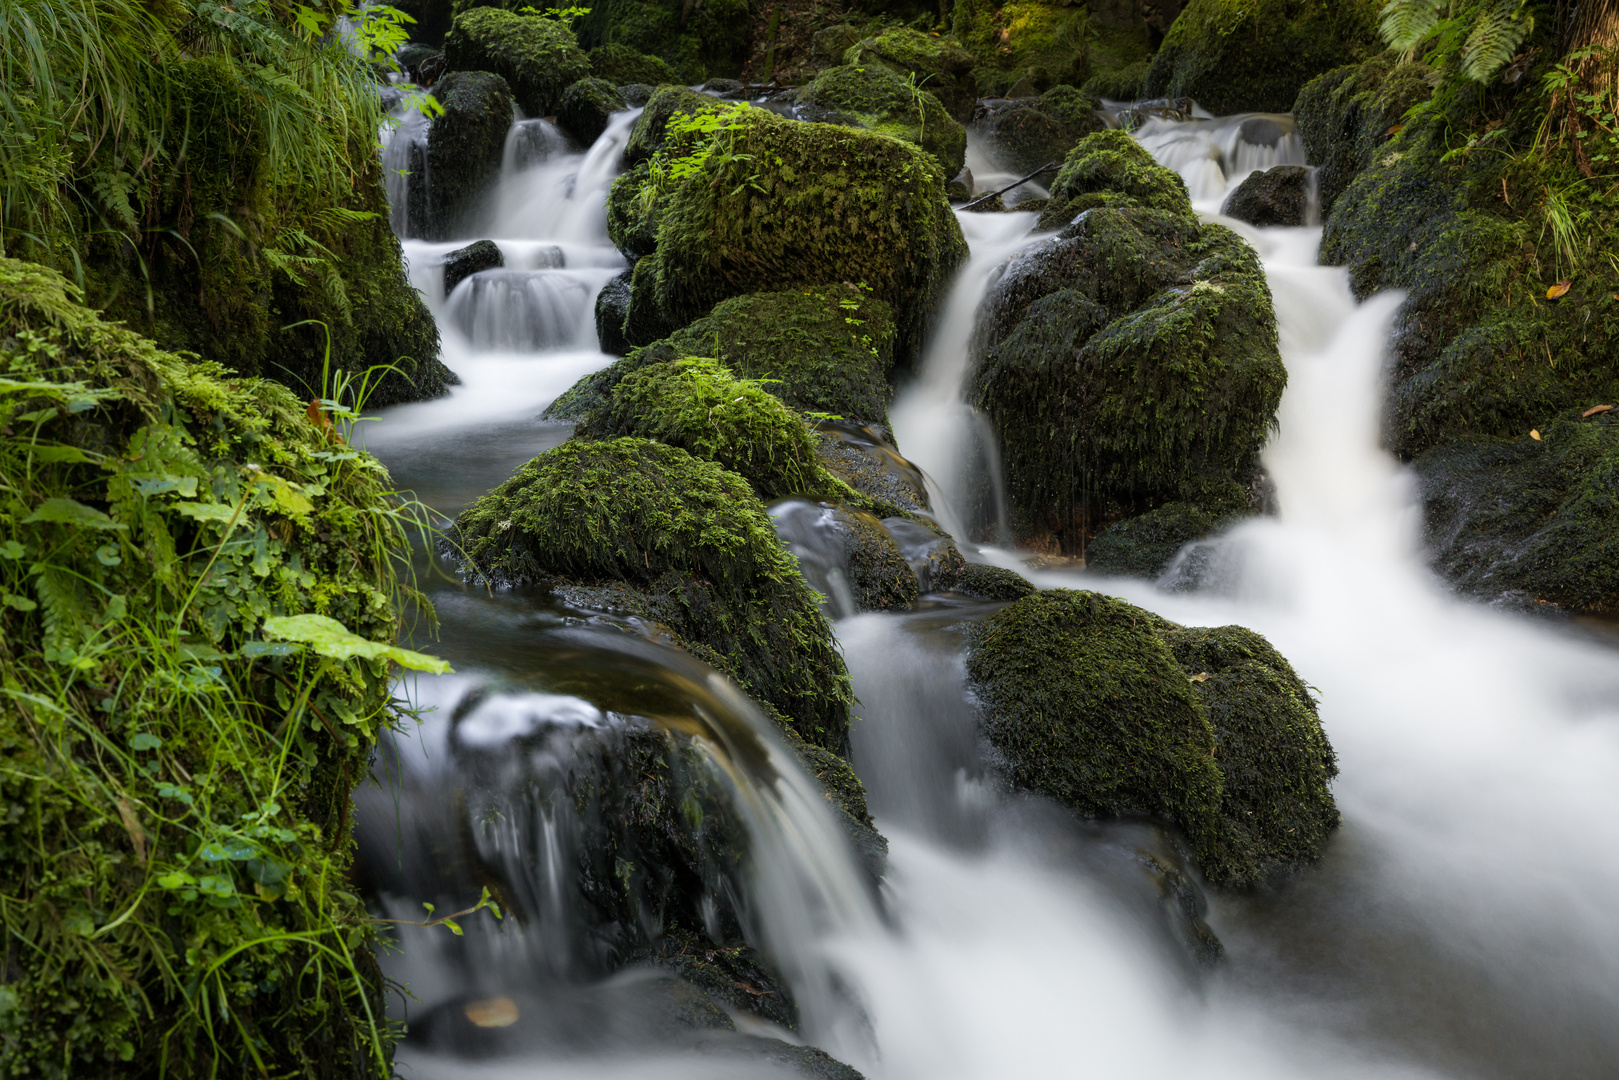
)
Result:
{"points": [[1478, 38]]}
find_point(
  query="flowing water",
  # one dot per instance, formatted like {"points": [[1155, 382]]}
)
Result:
{"points": [[1461, 923]]}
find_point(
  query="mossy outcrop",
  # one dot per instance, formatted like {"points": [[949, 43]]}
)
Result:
{"points": [[1231, 57], [457, 169], [1529, 522], [585, 108], [1022, 134], [696, 543], [755, 203], [174, 779], [882, 101], [1129, 361], [1144, 546], [931, 63], [1345, 116], [623, 66], [698, 41], [1024, 48], [1113, 711], [538, 57], [993, 583]]}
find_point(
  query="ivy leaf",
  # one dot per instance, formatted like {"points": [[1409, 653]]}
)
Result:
{"points": [[330, 638], [71, 512]]}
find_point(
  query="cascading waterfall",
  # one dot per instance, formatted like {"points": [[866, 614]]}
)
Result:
{"points": [[1457, 926]]}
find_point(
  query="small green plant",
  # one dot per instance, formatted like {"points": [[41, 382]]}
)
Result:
{"points": [[1477, 38]]}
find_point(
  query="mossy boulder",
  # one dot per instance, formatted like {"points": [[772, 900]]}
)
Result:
{"points": [[695, 540], [1114, 712], [882, 101], [829, 44], [1022, 134], [585, 108], [1345, 116], [993, 583], [475, 258], [457, 169], [1025, 47], [1529, 522], [766, 204], [934, 64], [1144, 546], [698, 41], [1128, 361], [623, 66], [174, 781], [648, 135], [1275, 196], [538, 57], [1231, 57]]}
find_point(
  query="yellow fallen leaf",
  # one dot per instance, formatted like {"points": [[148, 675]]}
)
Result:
{"points": [[496, 1012], [1560, 290], [1201, 676], [1535, 435], [1595, 409]]}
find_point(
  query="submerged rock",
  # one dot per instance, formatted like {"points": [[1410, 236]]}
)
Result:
{"points": [[538, 57], [1130, 361], [461, 162], [1114, 712], [1276, 196], [1022, 134], [882, 101], [462, 263], [585, 108], [1258, 57]]}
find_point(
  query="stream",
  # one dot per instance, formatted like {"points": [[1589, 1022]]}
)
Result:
{"points": [[1460, 924]]}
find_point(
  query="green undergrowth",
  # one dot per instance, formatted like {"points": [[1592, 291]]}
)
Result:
{"points": [[698, 41], [622, 66], [200, 596], [1037, 45], [694, 541]]}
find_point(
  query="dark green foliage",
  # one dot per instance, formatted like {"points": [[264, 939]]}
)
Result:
{"points": [[1527, 519], [538, 57], [993, 583], [622, 65], [585, 107], [475, 258], [700, 544], [931, 63], [768, 203], [1345, 116], [465, 145], [1130, 361], [175, 787], [1144, 546], [883, 101], [1086, 704], [1027, 46], [1021, 135], [432, 20], [1113, 711], [1273, 756], [1254, 57], [698, 41]]}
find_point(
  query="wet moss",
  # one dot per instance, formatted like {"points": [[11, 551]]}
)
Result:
{"points": [[1125, 83], [1022, 135], [1232, 57], [931, 63], [649, 132], [1346, 115], [693, 536], [993, 583], [622, 66], [1109, 168], [1025, 46], [585, 107], [538, 57], [459, 166], [1144, 546], [883, 101]]}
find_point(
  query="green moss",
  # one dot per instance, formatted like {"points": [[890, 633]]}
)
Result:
{"points": [[883, 101], [1274, 758], [647, 137], [1345, 116], [879, 577], [699, 41], [1144, 546], [1037, 45], [1254, 57], [175, 787], [585, 108], [538, 57], [622, 65], [1023, 135], [461, 163], [935, 64], [694, 537], [993, 583], [1126, 83], [774, 204], [1130, 361], [1086, 704]]}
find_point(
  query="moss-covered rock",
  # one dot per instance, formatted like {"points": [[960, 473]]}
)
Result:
{"points": [[934, 64], [1113, 711], [538, 57], [612, 304], [1276, 196], [1022, 134], [175, 783], [829, 44], [1025, 47], [1345, 116], [1144, 546], [648, 135], [1231, 57], [622, 66], [883, 101], [761, 203], [1533, 521], [1129, 361], [698, 41], [696, 540], [456, 170], [585, 108], [993, 583], [475, 258]]}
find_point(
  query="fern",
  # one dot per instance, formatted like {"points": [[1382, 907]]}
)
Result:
{"points": [[1500, 29], [1405, 23]]}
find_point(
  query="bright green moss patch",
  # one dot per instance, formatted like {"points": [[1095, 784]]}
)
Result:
{"points": [[931, 63], [1109, 168], [622, 65], [1025, 44], [690, 535], [538, 57], [883, 101], [174, 776]]}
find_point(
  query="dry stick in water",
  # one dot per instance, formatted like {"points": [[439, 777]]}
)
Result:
{"points": [[1047, 167]]}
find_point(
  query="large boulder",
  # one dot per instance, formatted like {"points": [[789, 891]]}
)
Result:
{"points": [[882, 101], [1022, 134], [457, 169], [697, 553], [538, 57], [622, 66], [1274, 196], [829, 44], [1529, 521], [698, 41], [1256, 58], [1028, 47], [752, 202], [1114, 712], [1131, 360], [586, 107], [926, 61]]}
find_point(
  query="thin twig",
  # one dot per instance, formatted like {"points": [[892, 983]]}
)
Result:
{"points": [[1047, 167]]}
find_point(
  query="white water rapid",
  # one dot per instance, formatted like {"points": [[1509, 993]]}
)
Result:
{"points": [[1460, 924]]}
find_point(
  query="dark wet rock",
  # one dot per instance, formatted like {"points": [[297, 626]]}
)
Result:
{"points": [[1134, 311], [461, 161], [409, 57], [1346, 116], [1115, 712], [934, 558], [1276, 196], [863, 457], [1022, 134], [994, 204], [611, 305], [1139, 112], [1530, 519], [462, 263], [1257, 58], [623, 66], [829, 45], [637, 95], [960, 188], [537, 57], [993, 583], [937, 65], [722, 88], [432, 20], [1144, 546], [846, 555], [820, 204], [880, 100], [585, 108]]}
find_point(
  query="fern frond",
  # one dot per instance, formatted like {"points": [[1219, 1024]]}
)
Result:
{"points": [[1500, 29], [1406, 22]]}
